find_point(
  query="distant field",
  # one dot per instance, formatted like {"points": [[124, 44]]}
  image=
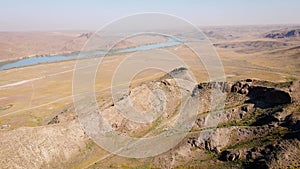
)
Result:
{"points": [[15, 45]]}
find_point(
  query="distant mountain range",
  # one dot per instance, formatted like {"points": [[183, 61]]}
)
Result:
{"points": [[292, 33]]}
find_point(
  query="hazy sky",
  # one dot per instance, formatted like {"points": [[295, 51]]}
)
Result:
{"points": [[92, 14]]}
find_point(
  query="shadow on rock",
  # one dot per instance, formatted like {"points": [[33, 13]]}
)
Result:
{"points": [[263, 97]]}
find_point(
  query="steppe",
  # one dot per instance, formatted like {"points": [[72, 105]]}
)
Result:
{"points": [[39, 127]]}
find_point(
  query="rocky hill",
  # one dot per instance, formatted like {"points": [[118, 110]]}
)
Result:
{"points": [[258, 127], [291, 33], [249, 47]]}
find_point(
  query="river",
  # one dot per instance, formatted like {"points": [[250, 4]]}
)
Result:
{"points": [[57, 58]]}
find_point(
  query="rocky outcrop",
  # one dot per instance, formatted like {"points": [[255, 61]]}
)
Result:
{"points": [[261, 96], [278, 155], [281, 154], [85, 35], [238, 87], [212, 140], [274, 130]]}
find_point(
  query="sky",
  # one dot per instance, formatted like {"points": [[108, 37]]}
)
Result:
{"points": [[25, 15]]}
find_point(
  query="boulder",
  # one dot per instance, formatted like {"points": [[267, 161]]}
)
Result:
{"points": [[244, 91]]}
